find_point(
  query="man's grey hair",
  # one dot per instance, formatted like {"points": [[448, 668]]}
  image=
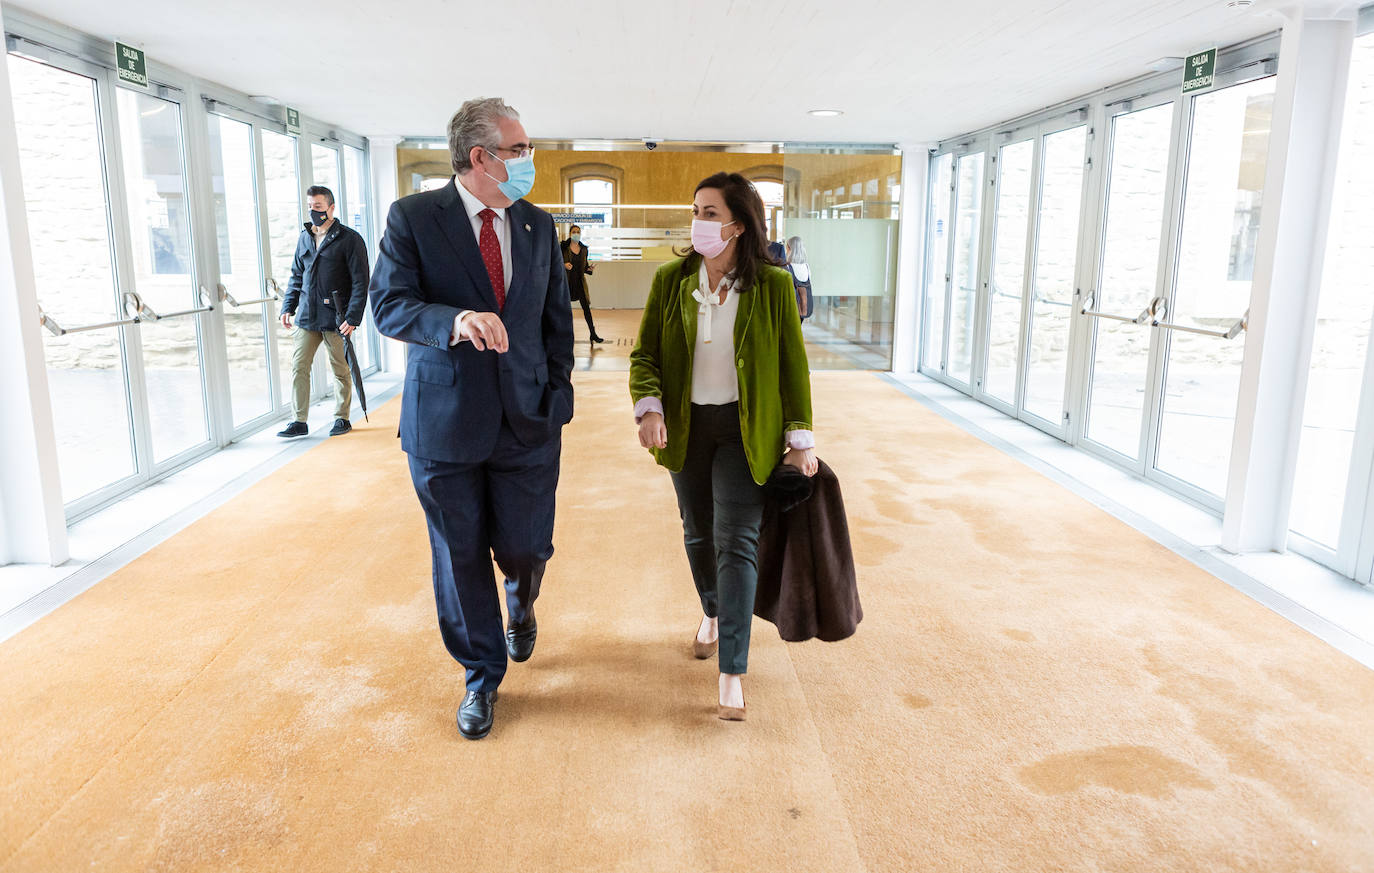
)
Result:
{"points": [[476, 124], [795, 253]]}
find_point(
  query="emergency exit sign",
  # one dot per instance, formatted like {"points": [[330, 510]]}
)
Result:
{"points": [[1200, 71], [133, 65]]}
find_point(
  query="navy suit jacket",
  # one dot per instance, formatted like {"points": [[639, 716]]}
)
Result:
{"points": [[428, 270]]}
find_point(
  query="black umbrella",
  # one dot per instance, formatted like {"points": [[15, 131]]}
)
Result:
{"points": [[351, 355]]}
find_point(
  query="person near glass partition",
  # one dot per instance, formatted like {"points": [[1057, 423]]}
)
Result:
{"points": [[578, 268], [470, 277], [329, 257], [722, 392], [801, 275]]}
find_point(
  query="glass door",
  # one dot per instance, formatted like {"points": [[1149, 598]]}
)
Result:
{"points": [[165, 294], [937, 264], [249, 307], [1049, 314], [1137, 193], [1336, 453], [966, 246], [1011, 229], [358, 216], [1170, 308], [325, 170], [282, 194], [1203, 345], [61, 154]]}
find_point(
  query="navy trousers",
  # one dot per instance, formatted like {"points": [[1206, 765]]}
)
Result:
{"points": [[502, 507]]}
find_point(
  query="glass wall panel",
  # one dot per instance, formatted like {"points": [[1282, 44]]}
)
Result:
{"points": [[1137, 189], [1340, 345], [284, 223], [358, 217], [1015, 166], [160, 226], [324, 164], [233, 177], [1056, 260], [963, 302], [937, 264], [57, 120], [1221, 214], [849, 239]]}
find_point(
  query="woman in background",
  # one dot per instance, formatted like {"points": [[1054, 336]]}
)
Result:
{"points": [[575, 262], [801, 275]]}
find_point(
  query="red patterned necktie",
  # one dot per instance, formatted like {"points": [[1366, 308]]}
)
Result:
{"points": [[491, 256]]}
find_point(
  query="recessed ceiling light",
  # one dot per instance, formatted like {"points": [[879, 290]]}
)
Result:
{"points": [[1239, 4], [825, 113]]}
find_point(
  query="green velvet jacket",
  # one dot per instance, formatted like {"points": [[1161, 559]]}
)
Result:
{"points": [[770, 359]]}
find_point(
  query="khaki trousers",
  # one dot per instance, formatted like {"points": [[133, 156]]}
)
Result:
{"points": [[307, 343]]}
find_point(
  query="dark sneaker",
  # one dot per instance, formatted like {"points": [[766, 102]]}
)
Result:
{"points": [[294, 429], [341, 425]]}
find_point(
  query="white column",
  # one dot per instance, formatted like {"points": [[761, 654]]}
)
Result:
{"points": [[910, 257], [1314, 63], [33, 526], [382, 159]]}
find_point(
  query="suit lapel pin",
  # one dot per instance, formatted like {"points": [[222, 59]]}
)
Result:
{"points": [[527, 227]]}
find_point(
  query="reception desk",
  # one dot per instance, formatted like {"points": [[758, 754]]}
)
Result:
{"points": [[621, 284]]}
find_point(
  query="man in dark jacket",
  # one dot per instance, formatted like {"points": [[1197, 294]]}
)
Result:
{"points": [[329, 258]]}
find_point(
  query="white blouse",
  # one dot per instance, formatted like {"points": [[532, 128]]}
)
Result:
{"points": [[714, 381]]}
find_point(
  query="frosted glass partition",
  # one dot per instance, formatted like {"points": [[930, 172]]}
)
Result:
{"points": [[839, 210], [849, 258]]}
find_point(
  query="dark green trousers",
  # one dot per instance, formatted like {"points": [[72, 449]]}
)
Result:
{"points": [[721, 508]]}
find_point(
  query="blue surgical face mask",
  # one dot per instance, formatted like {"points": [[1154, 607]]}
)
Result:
{"points": [[318, 218], [575, 237], [519, 176]]}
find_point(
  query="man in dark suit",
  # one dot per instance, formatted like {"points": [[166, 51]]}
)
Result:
{"points": [[471, 276]]}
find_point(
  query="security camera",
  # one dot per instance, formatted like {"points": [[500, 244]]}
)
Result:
{"points": [[650, 144]]}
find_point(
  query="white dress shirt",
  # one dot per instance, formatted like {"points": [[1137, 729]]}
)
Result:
{"points": [[500, 224], [714, 380]]}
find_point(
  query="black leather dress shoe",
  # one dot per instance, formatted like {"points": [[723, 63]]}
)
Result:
{"points": [[294, 429], [341, 425], [520, 639], [476, 714]]}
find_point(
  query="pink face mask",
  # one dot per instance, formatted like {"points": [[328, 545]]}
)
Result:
{"points": [[706, 237]]}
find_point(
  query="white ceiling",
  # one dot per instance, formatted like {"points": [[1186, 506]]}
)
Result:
{"points": [[913, 71]]}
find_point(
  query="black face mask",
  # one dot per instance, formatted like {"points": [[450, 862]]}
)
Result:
{"points": [[318, 217]]}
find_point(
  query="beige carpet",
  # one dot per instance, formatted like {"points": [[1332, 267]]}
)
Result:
{"points": [[1035, 687]]}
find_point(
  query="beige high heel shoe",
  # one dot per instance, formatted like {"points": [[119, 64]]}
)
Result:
{"points": [[701, 651], [730, 713]]}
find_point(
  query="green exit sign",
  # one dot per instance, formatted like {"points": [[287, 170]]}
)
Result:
{"points": [[133, 65], [1200, 71]]}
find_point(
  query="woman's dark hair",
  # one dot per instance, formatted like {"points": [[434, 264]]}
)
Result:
{"points": [[574, 228], [746, 207]]}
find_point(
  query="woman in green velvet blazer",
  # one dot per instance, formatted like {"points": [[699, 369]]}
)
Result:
{"points": [[722, 393]]}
